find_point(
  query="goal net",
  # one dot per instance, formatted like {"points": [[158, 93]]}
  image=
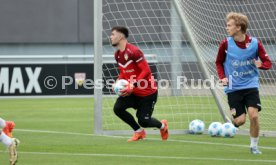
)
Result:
{"points": [[184, 74], [206, 23]]}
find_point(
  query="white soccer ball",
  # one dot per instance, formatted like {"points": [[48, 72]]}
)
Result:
{"points": [[228, 130], [120, 85], [215, 129], [196, 126]]}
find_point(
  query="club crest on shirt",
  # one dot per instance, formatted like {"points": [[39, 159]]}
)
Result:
{"points": [[126, 56]]}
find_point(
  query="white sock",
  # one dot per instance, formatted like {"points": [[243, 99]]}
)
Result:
{"points": [[7, 141], [2, 123], [139, 130], [254, 141], [162, 126]]}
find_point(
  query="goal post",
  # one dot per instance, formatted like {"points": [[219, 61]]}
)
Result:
{"points": [[98, 54], [203, 67], [180, 40]]}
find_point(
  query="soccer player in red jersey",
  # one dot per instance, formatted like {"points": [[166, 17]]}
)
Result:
{"points": [[238, 63], [6, 128], [141, 94]]}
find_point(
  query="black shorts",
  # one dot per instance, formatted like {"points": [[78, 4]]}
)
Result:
{"points": [[143, 105], [240, 100]]}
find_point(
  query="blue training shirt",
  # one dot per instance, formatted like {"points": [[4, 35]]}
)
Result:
{"points": [[239, 66]]}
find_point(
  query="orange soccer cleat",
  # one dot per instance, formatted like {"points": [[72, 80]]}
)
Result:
{"points": [[9, 127], [137, 136], [164, 132]]}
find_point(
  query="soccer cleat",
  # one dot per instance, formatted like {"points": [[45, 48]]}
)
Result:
{"points": [[13, 151], [164, 132], [255, 150], [9, 127], [137, 136]]}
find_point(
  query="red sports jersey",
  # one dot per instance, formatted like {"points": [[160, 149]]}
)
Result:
{"points": [[134, 67], [221, 56]]}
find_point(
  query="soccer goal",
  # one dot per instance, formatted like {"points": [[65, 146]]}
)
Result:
{"points": [[180, 39]]}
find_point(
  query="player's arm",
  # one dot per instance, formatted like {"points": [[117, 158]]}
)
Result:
{"points": [[264, 62], [221, 56], [121, 75], [142, 65]]}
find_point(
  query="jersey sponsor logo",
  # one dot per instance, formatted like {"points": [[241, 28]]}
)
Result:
{"points": [[242, 74], [235, 63], [235, 73], [129, 71], [247, 62], [238, 63]]}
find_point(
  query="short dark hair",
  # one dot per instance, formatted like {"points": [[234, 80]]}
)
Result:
{"points": [[121, 29]]}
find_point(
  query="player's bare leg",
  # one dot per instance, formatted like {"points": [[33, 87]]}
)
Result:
{"points": [[254, 130], [239, 121]]}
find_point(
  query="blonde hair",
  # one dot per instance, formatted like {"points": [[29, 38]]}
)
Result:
{"points": [[240, 20]]}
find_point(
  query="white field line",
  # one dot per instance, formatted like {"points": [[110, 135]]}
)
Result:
{"points": [[153, 139], [147, 157]]}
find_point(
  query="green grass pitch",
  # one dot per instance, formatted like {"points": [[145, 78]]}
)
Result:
{"points": [[60, 132]]}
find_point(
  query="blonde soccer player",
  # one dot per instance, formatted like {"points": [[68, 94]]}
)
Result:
{"points": [[239, 58]]}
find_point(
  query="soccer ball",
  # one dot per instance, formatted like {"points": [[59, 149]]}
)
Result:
{"points": [[215, 129], [120, 85], [196, 127], [228, 130]]}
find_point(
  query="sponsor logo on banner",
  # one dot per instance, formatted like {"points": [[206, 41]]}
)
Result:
{"points": [[79, 78], [12, 80]]}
